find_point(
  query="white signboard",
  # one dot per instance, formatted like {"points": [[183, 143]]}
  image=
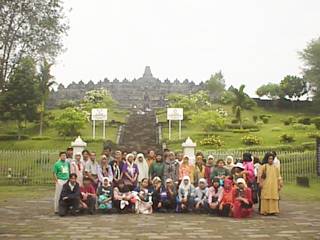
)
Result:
{"points": [[175, 114], [99, 114]]}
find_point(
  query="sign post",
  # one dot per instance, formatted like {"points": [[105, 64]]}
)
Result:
{"points": [[99, 114], [174, 114]]}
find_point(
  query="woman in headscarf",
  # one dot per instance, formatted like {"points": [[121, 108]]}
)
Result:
{"points": [[226, 204], [186, 195], [270, 184], [157, 168], [104, 170], [186, 169], [242, 200], [116, 167], [209, 169], [199, 169], [201, 195], [238, 172], [214, 196], [229, 163], [247, 161], [142, 167], [130, 172], [105, 194]]}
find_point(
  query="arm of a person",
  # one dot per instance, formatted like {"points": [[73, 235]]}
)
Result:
{"points": [[110, 173], [209, 197]]}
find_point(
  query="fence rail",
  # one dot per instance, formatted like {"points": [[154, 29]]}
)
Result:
{"points": [[35, 167]]}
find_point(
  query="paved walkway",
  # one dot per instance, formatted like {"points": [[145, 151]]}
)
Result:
{"points": [[21, 219]]}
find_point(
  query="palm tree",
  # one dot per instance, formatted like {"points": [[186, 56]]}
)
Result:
{"points": [[239, 102], [45, 83]]}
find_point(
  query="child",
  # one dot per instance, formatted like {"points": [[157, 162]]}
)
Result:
{"points": [[226, 204], [186, 195], [105, 194], [238, 172], [242, 204], [201, 195], [214, 195]]}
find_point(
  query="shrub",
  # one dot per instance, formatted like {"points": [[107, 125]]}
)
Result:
{"points": [[250, 140], [286, 138], [241, 131], [304, 120], [40, 138], [314, 135], [6, 137], [299, 126], [306, 146], [244, 126], [234, 121], [276, 129], [265, 120], [255, 118], [66, 104], [316, 122], [214, 141]]}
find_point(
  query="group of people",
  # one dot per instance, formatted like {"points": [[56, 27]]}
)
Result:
{"points": [[165, 182]]}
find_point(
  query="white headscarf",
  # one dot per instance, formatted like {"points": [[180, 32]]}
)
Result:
{"points": [[142, 166], [185, 187]]}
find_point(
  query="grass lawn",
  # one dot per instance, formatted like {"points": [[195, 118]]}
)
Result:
{"points": [[57, 142], [293, 192], [269, 133]]}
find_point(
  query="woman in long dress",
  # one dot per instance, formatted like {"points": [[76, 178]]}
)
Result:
{"points": [[270, 184]]}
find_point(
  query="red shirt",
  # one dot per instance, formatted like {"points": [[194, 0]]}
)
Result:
{"points": [[88, 189]]}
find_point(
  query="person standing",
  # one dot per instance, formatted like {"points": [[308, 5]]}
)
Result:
{"points": [[171, 168], [69, 153], [186, 169], [156, 168], [151, 157], [77, 167], [209, 169], [116, 166], [199, 169], [91, 169], [130, 172], [104, 170], [142, 167], [61, 171], [270, 185]]}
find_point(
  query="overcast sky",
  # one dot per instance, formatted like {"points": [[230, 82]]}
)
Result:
{"points": [[251, 41]]}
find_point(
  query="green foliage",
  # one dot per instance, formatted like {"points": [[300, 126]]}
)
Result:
{"points": [[311, 57], [70, 122], [100, 98], [216, 85], [21, 99], [270, 90], [305, 120], [314, 135], [40, 138], [299, 126], [255, 118], [6, 137], [244, 126], [316, 122], [30, 28], [290, 120], [214, 141], [250, 140], [208, 120], [241, 131], [287, 138], [194, 102], [67, 104], [294, 87], [276, 129], [265, 120]]}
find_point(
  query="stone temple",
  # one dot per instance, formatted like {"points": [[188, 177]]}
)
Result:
{"points": [[146, 91]]}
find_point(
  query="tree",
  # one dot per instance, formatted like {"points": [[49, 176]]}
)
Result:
{"points": [[70, 122], [293, 86], [100, 98], [311, 58], [45, 84], [240, 101], [209, 120], [20, 100], [216, 85], [193, 102], [270, 90], [29, 28]]}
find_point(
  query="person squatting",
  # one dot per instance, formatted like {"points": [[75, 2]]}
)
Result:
{"points": [[121, 182]]}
